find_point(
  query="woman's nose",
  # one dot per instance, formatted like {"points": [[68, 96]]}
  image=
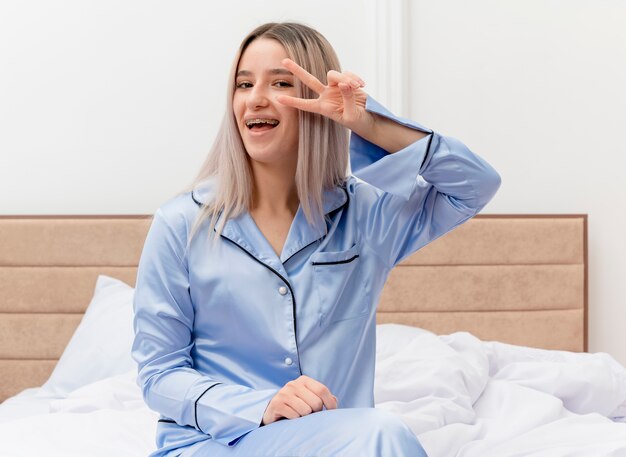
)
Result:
{"points": [[258, 97]]}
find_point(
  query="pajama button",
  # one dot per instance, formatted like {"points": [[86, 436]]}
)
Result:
{"points": [[288, 361], [282, 290]]}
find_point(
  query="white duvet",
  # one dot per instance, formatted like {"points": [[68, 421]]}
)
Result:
{"points": [[461, 397]]}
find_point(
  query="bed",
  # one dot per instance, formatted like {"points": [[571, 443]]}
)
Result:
{"points": [[481, 341]]}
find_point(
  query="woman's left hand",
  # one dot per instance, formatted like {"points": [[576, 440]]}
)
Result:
{"points": [[342, 100]]}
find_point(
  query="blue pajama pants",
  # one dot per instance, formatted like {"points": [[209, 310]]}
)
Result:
{"points": [[349, 432]]}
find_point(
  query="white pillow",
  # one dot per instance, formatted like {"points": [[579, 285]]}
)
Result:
{"points": [[101, 345]]}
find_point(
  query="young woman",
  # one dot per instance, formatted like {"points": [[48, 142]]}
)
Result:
{"points": [[257, 289]]}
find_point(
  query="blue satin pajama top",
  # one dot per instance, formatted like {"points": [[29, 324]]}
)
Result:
{"points": [[221, 327]]}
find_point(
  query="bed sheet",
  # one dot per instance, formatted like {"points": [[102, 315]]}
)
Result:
{"points": [[467, 398], [461, 396]]}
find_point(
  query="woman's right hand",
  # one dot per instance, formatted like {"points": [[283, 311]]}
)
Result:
{"points": [[298, 398]]}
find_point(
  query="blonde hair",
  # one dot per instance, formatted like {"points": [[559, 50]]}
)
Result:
{"points": [[322, 145]]}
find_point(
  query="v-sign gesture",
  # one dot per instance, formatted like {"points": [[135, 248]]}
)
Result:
{"points": [[343, 101]]}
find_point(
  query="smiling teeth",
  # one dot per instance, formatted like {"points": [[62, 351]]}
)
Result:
{"points": [[250, 122]]}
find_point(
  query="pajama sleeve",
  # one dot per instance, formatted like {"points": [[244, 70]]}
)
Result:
{"points": [[163, 323], [417, 194]]}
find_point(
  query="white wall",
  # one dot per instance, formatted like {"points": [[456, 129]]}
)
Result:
{"points": [[110, 107], [538, 88]]}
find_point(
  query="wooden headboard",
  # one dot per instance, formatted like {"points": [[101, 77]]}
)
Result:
{"points": [[520, 279]]}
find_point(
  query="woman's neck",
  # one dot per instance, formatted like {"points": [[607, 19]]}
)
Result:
{"points": [[274, 190]]}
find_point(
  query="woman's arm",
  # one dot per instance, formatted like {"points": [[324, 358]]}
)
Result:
{"points": [[164, 316], [407, 199], [388, 134], [417, 185]]}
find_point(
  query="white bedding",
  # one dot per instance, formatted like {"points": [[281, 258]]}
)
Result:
{"points": [[462, 397]]}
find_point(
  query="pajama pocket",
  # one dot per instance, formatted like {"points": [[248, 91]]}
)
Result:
{"points": [[342, 294]]}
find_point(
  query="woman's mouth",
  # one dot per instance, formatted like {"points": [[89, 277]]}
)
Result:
{"points": [[261, 124]]}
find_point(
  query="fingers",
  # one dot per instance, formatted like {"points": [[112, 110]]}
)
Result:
{"points": [[321, 391], [307, 78], [312, 400], [334, 78], [298, 406], [342, 100], [278, 409], [350, 110], [304, 104], [298, 398], [355, 77]]}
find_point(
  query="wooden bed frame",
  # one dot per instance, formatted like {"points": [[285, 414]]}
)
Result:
{"points": [[520, 279]]}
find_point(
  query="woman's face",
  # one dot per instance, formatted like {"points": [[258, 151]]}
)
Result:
{"points": [[268, 129]]}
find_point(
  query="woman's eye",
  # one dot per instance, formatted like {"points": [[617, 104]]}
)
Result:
{"points": [[283, 84], [243, 85]]}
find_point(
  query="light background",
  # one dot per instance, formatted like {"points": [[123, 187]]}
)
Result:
{"points": [[110, 107]]}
